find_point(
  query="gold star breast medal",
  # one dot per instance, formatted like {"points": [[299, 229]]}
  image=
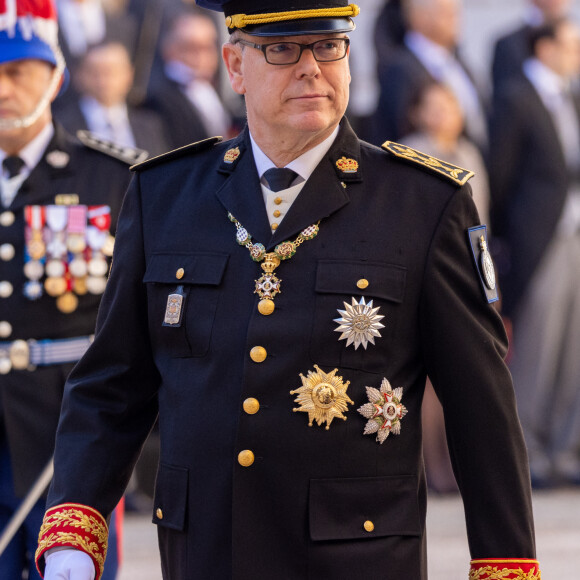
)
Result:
{"points": [[323, 396], [384, 411]]}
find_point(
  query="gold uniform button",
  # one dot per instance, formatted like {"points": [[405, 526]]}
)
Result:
{"points": [[277, 213], [278, 201], [251, 406], [180, 273], [362, 284], [266, 307], [274, 226], [7, 219], [246, 458], [369, 526], [159, 513], [258, 354]]}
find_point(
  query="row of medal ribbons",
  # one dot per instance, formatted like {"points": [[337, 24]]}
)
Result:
{"points": [[66, 252]]}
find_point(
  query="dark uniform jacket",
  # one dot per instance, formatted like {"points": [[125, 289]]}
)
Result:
{"points": [[30, 399], [529, 181], [315, 503]]}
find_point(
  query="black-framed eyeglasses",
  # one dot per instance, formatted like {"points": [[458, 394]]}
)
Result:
{"points": [[326, 50]]}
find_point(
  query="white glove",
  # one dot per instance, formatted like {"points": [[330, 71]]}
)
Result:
{"points": [[68, 564]]}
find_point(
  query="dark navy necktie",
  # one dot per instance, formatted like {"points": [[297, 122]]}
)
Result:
{"points": [[12, 165], [279, 178]]}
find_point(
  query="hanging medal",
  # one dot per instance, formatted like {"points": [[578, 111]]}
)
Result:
{"points": [[97, 235], [55, 269], [35, 249], [268, 285]]}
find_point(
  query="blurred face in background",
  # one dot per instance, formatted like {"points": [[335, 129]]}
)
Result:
{"points": [[438, 20], [438, 114], [193, 41], [552, 9], [106, 74], [562, 53]]}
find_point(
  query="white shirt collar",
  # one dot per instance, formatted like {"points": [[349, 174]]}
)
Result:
{"points": [[92, 109], [548, 83], [534, 16], [427, 51], [32, 152], [304, 165]]}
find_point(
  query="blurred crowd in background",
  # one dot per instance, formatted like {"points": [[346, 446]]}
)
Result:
{"points": [[146, 74]]}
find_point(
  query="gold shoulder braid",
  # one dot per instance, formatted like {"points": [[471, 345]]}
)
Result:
{"points": [[456, 174], [268, 285]]}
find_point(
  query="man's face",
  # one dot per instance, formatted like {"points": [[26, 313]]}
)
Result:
{"points": [[193, 42], [23, 83], [106, 74], [552, 9], [566, 54], [307, 98]]}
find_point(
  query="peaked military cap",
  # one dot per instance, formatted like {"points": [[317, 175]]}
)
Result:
{"points": [[285, 17]]}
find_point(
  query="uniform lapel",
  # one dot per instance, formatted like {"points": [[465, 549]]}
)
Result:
{"points": [[43, 182], [241, 194], [325, 192]]}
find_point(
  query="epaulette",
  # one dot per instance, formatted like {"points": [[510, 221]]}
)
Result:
{"points": [[452, 172], [177, 153], [129, 155]]}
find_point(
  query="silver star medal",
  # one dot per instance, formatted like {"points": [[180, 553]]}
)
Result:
{"points": [[384, 411], [359, 323]]}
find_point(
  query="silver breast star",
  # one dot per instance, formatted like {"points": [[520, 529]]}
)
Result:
{"points": [[359, 323]]}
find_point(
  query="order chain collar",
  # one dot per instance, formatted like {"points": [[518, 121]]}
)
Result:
{"points": [[268, 285]]}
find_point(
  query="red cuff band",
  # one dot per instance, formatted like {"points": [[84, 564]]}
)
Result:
{"points": [[505, 569], [74, 526]]}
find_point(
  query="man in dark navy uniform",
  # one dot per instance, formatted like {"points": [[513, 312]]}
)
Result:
{"points": [[58, 207], [279, 300]]}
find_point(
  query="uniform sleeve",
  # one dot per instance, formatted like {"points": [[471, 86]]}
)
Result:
{"points": [[464, 346], [109, 405]]}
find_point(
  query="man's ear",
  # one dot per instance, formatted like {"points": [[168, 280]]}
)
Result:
{"points": [[232, 57]]}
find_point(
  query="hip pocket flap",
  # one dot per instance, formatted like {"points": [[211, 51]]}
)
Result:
{"points": [[365, 507], [170, 504]]}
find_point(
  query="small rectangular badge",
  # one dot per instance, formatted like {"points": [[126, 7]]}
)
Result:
{"points": [[174, 308], [483, 262]]}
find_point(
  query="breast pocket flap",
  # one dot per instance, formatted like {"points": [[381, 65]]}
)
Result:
{"points": [[367, 507], [204, 268], [373, 279]]}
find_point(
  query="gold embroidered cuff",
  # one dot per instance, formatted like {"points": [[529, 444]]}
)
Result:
{"points": [[75, 526], [505, 569]]}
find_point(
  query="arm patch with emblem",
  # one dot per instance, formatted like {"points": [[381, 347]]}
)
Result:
{"points": [[483, 262]]}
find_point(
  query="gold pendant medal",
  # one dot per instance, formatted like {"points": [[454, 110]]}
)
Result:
{"points": [[268, 285]]}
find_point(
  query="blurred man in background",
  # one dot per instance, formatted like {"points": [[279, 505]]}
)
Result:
{"points": [[535, 186], [428, 53], [104, 79], [514, 48], [185, 95]]}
